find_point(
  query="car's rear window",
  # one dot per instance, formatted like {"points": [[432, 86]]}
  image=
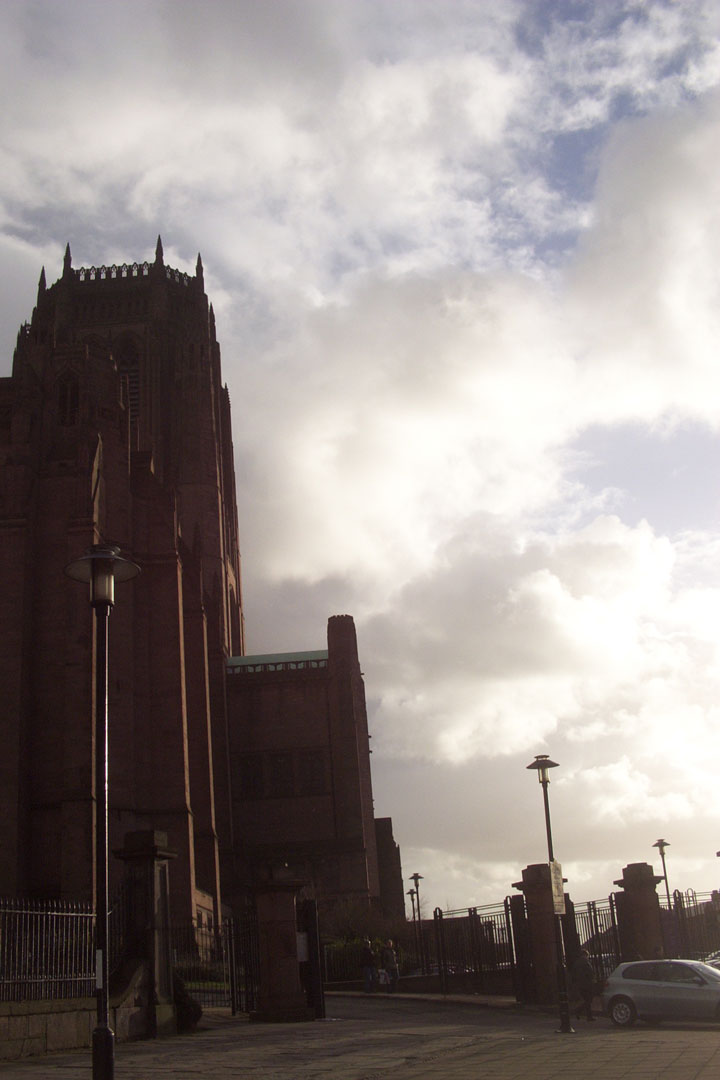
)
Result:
{"points": [[676, 973]]}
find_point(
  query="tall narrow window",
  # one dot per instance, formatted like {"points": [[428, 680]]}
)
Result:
{"points": [[311, 773], [251, 777], [68, 399], [126, 356], [280, 775]]}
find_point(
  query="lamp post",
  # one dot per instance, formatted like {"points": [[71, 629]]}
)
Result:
{"points": [[417, 878], [100, 567], [411, 894], [661, 845], [541, 765]]}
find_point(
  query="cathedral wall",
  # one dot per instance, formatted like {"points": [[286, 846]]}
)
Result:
{"points": [[300, 769]]}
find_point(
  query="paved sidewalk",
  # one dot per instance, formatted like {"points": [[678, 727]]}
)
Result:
{"points": [[404, 1038]]}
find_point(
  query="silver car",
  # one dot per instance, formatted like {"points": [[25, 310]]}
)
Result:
{"points": [[657, 989]]}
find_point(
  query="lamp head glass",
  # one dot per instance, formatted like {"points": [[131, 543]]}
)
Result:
{"points": [[100, 567], [541, 764]]}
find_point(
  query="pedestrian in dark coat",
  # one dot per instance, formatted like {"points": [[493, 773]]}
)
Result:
{"points": [[388, 961], [583, 978], [369, 966]]}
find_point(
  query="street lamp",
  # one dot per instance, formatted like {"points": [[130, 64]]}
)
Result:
{"points": [[417, 878], [661, 845], [411, 894], [100, 567], [542, 764]]}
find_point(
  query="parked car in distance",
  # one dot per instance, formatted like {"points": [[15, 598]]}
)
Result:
{"points": [[662, 989]]}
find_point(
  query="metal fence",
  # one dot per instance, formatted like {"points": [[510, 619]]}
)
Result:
{"points": [[218, 965], [691, 928], [47, 950], [487, 949], [245, 951], [473, 947], [596, 929], [200, 955], [342, 962], [47, 947]]}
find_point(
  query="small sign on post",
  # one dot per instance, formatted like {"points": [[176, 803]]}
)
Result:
{"points": [[558, 893]]}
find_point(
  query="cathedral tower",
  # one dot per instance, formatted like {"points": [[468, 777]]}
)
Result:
{"points": [[115, 427]]}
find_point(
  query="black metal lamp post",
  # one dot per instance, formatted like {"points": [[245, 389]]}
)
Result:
{"points": [[100, 567], [417, 878], [661, 845], [411, 894], [542, 764]]}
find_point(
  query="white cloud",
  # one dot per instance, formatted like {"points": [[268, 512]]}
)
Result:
{"points": [[441, 242], [645, 289], [509, 648], [622, 792]]}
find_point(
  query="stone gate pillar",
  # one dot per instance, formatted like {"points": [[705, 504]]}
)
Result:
{"points": [[147, 920], [281, 998], [537, 889], [638, 913]]}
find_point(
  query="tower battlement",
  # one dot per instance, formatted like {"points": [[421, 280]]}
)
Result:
{"points": [[127, 271]]}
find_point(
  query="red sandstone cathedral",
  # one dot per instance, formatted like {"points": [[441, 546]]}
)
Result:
{"points": [[115, 427]]}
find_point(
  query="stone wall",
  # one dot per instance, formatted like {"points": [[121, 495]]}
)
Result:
{"points": [[36, 1027]]}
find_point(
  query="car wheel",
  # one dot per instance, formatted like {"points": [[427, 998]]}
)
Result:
{"points": [[622, 1012]]}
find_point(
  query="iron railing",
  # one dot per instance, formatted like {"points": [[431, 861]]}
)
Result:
{"points": [[473, 947], [342, 961], [691, 928], [47, 950], [596, 929], [245, 968], [218, 965], [200, 955]]}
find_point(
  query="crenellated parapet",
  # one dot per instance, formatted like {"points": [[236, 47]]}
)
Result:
{"points": [[125, 271], [109, 273]]}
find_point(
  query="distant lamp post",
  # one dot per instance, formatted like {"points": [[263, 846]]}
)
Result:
{"points": [[411, 894], [661, 845], [417, 878], [542, 764], [100, 567]]}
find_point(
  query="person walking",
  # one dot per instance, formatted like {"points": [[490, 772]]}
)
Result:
{"points": [[389, 961], [583, 978], [369, 967]]}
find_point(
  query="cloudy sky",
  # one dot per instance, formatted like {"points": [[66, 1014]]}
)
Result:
{"points": [[465, 262]]}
